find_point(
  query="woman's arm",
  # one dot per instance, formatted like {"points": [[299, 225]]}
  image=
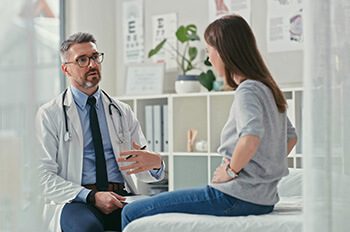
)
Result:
{"points": [[244, 152], [290, 144]]}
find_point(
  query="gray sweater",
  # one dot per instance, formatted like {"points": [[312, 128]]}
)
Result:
{"points": [[254, 112]]}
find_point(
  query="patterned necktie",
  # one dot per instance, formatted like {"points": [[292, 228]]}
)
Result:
{"points": [[101, 171]]}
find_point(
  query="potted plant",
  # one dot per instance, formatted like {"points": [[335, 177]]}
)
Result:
{"points": [[186, 58]]}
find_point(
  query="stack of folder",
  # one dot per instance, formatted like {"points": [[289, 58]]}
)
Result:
{"points": [[156, 127]]}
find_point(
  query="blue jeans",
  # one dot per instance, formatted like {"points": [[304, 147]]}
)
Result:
{"points": [[205, 200]]}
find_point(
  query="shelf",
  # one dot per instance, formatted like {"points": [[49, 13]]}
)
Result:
{"points": [[165, 154], [188, 114], [206, 112], [222, 104], [146, 97], [175, 95], [190, 154], [215, 154]]}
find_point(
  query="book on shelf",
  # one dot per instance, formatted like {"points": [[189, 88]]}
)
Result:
{"points": [[156, 127], [149, 127]]}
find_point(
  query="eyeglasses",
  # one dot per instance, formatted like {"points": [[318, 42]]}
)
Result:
{"points": [[84, 61]]}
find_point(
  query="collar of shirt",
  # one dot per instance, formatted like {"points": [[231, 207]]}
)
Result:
{"points": [[80, 98]]}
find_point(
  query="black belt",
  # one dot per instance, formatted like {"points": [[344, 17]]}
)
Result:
{"points": [[114, 187]]}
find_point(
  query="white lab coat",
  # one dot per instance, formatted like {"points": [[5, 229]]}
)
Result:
{"points": [[62, 161]]}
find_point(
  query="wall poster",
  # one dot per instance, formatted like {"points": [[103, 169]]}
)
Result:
{"points": [[133, 37], [164, 27], [218, 8], [284, 25]]}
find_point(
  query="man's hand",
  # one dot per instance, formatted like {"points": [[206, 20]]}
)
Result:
{"points": [[220, 174], [141, 160], [107, 202]]}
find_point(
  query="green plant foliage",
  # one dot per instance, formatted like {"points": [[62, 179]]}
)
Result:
{"points": [[207, 62], [207, 79], [192, 53], [186, 35], [155, 50]]}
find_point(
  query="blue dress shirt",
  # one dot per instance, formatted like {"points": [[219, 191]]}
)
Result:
{"points": [[89, 168]]}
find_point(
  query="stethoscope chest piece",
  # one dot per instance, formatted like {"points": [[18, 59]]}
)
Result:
{"points": [[67, 137]]}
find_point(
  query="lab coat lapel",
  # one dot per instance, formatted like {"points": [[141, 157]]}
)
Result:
{"points": [[114, 127], [113, 122], [73, 117]]}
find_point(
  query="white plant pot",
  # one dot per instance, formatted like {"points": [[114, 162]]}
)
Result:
{"points": [[187, 84]]}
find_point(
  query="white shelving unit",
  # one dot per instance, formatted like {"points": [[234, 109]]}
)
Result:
{"points": [[207, 113], [294, 99]]}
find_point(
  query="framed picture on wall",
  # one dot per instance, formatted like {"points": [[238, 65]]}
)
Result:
{"points": [[144, 79]]}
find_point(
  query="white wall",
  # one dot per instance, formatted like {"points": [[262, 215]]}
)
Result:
{"points": [[103, 19], [98, 18]]}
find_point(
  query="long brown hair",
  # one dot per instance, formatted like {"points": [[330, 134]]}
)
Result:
{"points": [[232, 37]]}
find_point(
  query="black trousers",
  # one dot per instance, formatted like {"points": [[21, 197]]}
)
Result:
{"points": [[82, 217], [78, 216]]}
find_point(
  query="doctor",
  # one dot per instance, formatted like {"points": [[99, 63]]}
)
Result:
{"points": [[82, 133]]}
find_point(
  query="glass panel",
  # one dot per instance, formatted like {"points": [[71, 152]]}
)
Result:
{"points": [[326, 116], [30, 76]]}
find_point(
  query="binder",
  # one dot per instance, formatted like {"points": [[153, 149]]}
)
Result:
{"points": [[157, 128], [165, 129], [149, 127]]}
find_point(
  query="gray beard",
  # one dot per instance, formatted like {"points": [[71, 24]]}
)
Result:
{"points": [[87, 85]]}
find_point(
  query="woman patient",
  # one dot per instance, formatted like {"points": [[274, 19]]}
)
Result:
{"points": [[255, 140]]}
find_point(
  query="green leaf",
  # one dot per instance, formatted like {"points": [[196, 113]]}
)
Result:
{"points": [[207, 62], [191, 32], [207, 79], [187, 33], [181, 34], [192, 53], [189, 67], [155, 50]]}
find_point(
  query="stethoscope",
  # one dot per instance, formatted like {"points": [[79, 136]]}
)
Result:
{"points": [[121, 135]]}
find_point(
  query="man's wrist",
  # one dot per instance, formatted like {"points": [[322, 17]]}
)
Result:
{"points": [[160, 167], [90, 199]]}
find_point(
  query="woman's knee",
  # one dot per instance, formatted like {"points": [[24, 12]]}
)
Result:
{"points": [[134, 210], [127, 210], [126, 218]]}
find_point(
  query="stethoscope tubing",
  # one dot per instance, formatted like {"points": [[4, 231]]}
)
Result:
{"points": [[67, 135]]}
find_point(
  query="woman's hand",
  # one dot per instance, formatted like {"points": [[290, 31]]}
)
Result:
{"points": [[220, 174], [141, 160]]}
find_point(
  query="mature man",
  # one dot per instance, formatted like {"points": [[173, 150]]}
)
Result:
{"points": [[81, 133]]}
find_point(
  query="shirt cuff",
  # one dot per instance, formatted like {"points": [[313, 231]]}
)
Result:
{"points": [[157, 173], [82, 195]]}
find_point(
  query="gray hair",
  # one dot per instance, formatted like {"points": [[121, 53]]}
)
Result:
{"points": [[77, 38]]}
